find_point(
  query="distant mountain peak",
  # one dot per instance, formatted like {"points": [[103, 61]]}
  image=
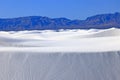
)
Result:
{"points": [[101, 21]]}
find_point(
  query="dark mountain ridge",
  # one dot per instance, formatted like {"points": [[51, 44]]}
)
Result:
{"points": [[102, 21]]}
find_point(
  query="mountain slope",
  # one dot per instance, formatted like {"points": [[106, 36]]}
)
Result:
{"points": [[102, 21]]}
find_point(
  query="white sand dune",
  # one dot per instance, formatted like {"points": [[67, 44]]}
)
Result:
{"points": [[106, 33], [59, 65], [77, 40], [64, 55]]}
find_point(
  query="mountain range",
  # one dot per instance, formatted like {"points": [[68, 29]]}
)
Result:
{"points": [[102, 21]]}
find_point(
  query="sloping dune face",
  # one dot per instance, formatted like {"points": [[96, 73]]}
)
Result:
{"points": [[60, 55], [62, 65]]}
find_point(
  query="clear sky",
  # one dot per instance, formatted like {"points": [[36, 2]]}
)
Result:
{"points": [[72, 9]]}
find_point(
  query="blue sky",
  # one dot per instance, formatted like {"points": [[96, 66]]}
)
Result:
{"points": [[72, 9]]}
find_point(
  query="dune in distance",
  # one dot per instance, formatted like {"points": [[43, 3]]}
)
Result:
{"points": [[49, 41]]}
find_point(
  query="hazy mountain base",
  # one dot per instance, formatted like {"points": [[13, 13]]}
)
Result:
{"points": [[60, 66]]}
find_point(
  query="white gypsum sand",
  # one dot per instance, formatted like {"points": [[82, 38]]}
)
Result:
{"points": [[65, 55], [61, 41]]}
